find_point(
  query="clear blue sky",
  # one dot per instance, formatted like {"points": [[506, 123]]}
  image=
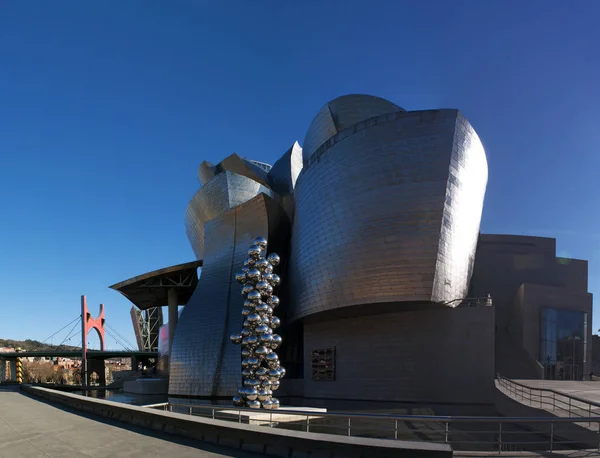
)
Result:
{"points": [[107, 109]]}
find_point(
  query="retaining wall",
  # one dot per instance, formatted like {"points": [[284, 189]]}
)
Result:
{"points": [[263, 440]]}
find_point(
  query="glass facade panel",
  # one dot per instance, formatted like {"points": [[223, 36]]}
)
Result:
{"points": [[563, 343]]}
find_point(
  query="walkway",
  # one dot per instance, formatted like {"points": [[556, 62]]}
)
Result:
{"points": [[30, 428]]}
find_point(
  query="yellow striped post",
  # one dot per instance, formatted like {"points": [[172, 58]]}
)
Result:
{"points": [[19, 367]]}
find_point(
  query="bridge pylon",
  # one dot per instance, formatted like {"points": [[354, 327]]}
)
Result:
{"points": [[87, 324]]}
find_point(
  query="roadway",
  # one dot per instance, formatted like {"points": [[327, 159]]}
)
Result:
{"points": [[30, 428], [107, 354]]}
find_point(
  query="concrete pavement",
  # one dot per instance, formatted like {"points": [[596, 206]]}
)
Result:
{"points": [[30, 428]]}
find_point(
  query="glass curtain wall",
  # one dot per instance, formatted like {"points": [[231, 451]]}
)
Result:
{"points": [[563, 343]]}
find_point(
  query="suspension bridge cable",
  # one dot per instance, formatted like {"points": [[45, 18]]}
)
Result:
{"points": [[68, 334], [121, 336], [69, 324], [71, 333], [116, 339]]}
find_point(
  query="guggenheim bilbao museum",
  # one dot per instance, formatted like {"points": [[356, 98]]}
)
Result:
{"points": [[388, 290]]}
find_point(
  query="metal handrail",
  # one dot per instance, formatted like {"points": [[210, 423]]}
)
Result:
{"points": [[550, 390], [375, 416], [506, 434]]}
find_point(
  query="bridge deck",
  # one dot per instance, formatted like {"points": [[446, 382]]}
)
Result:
{"points": [[32, 428]]}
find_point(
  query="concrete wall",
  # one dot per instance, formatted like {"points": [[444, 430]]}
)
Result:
{"points": [[258, 439], [435, 356]]}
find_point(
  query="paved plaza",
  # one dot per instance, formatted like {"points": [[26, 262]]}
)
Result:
{"points": [[30, 428]]}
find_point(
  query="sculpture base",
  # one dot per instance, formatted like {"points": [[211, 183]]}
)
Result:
{"points": [[262, 417], [146, 386]]}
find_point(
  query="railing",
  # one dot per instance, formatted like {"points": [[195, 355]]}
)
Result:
{"points": [[560, 404], [497, 434]]}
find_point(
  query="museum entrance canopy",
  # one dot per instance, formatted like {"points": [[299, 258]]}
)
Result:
{"points": [[152, 289]]}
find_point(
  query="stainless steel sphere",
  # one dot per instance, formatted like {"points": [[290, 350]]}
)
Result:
{"points": [[273, 301], [274, 259], [254, 296], [238, 401], [262, 308], [236, 338], [266, 339], [248, 373], [250, 341], [282, 371], [254, 318], [246, 289], [253, 362], [260, 242], [247, 311], [247, 352], [261, 352], [254, 252], [245, 362], [261, 373], [267, 292], [246, 332], [262, 329], [249, 263], [241, 277], [268, 269], [275, 385], [267, 404], [245, 270], [275, 280], [275, 322], [251, 382], [262, 264], [274, 375], [268, 277], [253, 275], [262, 285], [254, 404], [266, 320], [272, 359], [275, 402], [276, 342], [249, 304], [263, 395]]}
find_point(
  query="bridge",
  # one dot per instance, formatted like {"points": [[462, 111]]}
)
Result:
{"points": [[92, 361]]}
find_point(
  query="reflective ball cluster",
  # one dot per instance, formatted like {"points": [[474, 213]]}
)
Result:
{"points": [[261, 370]]}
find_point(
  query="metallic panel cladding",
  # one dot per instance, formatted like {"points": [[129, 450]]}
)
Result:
{"points": [[370, 207], [465, 191], [283, 175], [223, 192], [203, 361], [341, 113]]}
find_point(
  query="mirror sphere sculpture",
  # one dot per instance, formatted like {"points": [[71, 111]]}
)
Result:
{"points": [[261, 368]]}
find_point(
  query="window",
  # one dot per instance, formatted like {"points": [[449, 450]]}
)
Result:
{"points": [[563, 343], [323, 364]]}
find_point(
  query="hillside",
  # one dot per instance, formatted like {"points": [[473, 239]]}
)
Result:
{"points": [[34, 345]]}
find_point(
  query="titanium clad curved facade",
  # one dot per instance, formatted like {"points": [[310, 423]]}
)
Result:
{"points": [[371, 209], [223, 192], [340, 114], [465, 191], [203, 361], [283, 176]]}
